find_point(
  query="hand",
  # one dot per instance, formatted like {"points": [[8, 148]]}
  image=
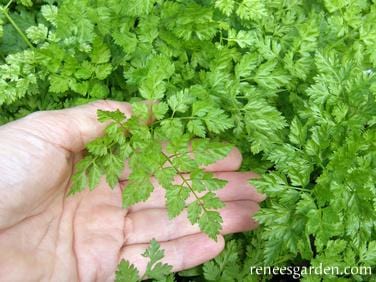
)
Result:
{"points": [[46, 236]]}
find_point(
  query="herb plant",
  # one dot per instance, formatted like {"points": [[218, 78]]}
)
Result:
{"points": [[154, 270], [290, 83]]}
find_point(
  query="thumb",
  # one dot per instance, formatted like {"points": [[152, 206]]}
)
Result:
{"points": [[71, 128]]}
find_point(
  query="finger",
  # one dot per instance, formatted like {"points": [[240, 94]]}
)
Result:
{"points": [[182, 253], [71, 128], [236, 189], [142, 226], [231, 162]]}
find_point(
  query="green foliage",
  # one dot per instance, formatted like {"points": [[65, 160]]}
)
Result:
{"points": [[155, 269], [227, 266], [133, 140], [127, 272], [291, 83]]}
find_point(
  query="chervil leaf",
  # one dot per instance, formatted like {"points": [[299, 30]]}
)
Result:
{"points": [[79, 179], [175, 200], [59, 84], [151, 88], [102, 71], [101, 53], [140, 111], [166, 176], [37, 34], [210, 223], [94, 174], [251, 9], [204, 181], [217, 121], [179, 102], [327, 224], [49, 12], [194, 212], [79, 183], [98, 147], [268, 76], [98, 90], [211, 201], [126, 272], [184, 163], [137, 189], [159, 110], [117, 116], [196, 127], [298, 132], [155, 268], [226, 6], [207, 152], [368, 255], [127, 40], [226, 266], [79, 87], [244, 39], [247, 64], [113, 167], [139, 8]]}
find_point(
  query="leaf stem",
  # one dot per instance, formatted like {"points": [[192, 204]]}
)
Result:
{"points": [[302, 189], [15, 26], [185, 181], [8, 4], [181, 118], [178, 155]]}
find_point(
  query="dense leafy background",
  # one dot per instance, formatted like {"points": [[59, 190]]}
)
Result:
{"points": [[291, 83]]}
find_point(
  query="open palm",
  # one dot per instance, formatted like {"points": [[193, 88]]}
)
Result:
{"points": [[47, 236]]}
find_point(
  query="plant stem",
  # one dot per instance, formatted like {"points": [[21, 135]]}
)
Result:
{"points": [[302, 189], [13, 23], [181, 118], [8, 4]]}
